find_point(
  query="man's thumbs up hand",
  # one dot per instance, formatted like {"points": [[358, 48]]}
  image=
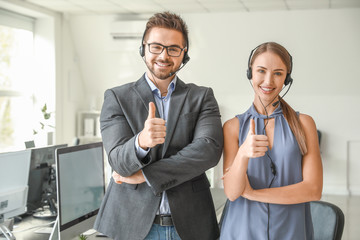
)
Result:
{"points": [[154, 131], [152, 110]]}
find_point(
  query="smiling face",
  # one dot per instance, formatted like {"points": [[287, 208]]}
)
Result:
{"points": [[160, 66], [268, 76]]}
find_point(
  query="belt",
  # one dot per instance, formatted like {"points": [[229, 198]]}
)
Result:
{"points": [[163, 220]]}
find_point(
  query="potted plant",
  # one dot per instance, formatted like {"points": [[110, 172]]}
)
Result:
{"points": [[45, 128], [83, 237]]}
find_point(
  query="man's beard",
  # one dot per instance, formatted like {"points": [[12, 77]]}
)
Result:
{"points": [[159, 74]]}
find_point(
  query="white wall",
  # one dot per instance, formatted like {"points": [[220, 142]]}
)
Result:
{"points": [[71, 89], [325, 49]]}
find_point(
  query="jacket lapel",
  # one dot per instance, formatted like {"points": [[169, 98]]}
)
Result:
{"points": [[144, 93], [177, 101]]}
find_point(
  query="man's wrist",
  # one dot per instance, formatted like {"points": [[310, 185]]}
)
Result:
{"points": [[140, 152], [139, 143]]}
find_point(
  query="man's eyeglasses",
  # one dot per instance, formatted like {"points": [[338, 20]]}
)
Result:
{"points": [[157, 48]]}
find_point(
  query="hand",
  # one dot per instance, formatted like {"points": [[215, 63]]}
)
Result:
{"points": [[117, 178], [154, 131], [136, 178], [254, 145]]}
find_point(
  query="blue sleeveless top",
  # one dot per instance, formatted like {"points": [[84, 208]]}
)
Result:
{"points": [[249, 220]]}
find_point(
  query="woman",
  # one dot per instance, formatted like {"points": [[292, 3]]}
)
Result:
{"points": [[272, 162]]}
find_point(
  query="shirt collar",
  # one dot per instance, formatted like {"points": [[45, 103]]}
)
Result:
{"points": [[154, 88]]}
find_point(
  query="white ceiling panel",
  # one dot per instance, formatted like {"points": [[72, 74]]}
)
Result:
{"points": [[47, 1], [187, 6], [144, 9], [260, 5], [60, 6], [175, 1], [214, 6], [139, 6], [85, 2], [225, 2], [306, 4], [345, 3], [105, 9], [263, 2], [99, 6]]}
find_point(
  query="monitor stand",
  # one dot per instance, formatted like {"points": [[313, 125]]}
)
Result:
{"points": [[55, 231], [49, 210], [5, 232]]}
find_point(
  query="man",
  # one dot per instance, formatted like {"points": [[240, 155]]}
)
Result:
{"points": [[161, 135]]}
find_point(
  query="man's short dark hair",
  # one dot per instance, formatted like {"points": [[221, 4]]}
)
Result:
{"points": [[168, 20]]}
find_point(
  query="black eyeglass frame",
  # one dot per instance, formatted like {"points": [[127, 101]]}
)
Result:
{"points": [[167, 49]]}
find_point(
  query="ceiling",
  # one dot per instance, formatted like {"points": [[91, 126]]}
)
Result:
{"points": [[86, 7]]}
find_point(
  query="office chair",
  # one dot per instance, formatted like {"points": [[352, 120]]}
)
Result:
{"points": [[328, 220]]}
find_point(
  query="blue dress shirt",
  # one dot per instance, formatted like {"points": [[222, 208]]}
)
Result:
{"points": [[162, 105]]}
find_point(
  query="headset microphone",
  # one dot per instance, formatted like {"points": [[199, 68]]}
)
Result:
{"points": [[185, 61], [277, 102]]}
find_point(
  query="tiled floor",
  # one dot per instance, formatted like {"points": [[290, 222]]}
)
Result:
{"points": [[350, 205]]}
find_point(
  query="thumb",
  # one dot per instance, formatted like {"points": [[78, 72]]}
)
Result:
{"points": [[252, 127], [152, 110]]}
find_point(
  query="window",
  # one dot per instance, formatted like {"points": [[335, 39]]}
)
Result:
{"points": [[19, 113]]}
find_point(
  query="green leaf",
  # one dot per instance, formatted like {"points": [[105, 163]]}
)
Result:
{"points": [[44, 108], [47, 115], [82, 237]]}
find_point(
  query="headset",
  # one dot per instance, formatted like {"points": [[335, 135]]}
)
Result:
{"points": [[184, 61], [288, 79]]}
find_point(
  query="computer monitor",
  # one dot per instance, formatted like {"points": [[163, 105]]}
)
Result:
{"points": [[13, 185], [80, 187], [42, 185]]}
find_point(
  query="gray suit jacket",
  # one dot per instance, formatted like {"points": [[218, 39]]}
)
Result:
{"points": [[192, 145]]}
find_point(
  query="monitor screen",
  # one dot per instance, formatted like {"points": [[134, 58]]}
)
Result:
{"points": [[13, 183], [80, 187], [40, 176]]}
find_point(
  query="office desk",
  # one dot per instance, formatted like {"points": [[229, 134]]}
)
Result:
{"points": [[26, 229]]}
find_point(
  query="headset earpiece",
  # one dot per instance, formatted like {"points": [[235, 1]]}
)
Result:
{"points": [[186, 58], [142, 47], [249, 73], [288, 79], [249, 70], [142, 50]]}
